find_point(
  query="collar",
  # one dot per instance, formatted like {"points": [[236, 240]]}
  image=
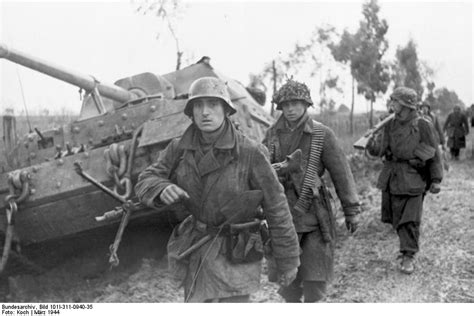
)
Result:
{"points": [[226, 141], [306, 121]]}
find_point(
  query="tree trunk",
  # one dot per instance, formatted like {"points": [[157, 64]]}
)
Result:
{"points": [[272, 110], [352, 108], [371, 117], [179, 55]]}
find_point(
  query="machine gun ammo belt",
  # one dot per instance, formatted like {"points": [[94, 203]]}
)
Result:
{"points": [[313, 169]]}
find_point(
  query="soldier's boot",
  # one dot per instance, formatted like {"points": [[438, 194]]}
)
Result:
{"points": [[407, 265]]}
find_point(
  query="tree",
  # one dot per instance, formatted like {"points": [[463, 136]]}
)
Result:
{"points": [[370, 72], [445, 100], [363, 52], [406, 69], [345, 51], [168, 13], [308, 59]]}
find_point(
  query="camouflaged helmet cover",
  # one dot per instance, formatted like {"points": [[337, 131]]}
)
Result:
{"points": [[425, 104], [405, 96], [292, 91], [210, 87]]}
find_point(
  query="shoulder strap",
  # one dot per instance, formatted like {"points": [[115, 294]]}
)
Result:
{"points": [[313, 169]]}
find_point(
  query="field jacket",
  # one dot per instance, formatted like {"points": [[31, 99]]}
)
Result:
{"points": [[234, 165], [333, 159], [404, 172]]}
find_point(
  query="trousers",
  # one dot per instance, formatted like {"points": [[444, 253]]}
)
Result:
{"points": [[312, 291], [409, 235]]}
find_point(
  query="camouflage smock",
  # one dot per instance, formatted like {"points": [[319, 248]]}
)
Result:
{"points": [[397, 142]]}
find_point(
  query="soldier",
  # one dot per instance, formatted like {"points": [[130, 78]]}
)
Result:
{"points": [[412, 165], [457, 127], [306, 193], [426, 112], [221, 177], [425, 109]]}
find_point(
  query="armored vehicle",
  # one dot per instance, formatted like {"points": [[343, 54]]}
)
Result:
{"points": [[80, 177]]}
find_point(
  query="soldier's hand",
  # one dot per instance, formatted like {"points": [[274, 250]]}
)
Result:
{"points": [[172, 194], [287, 277], [435, 188], [352, 223]]}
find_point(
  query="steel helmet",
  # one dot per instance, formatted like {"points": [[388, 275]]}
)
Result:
{"points": [[405, 96], [209, 87], [292, 91]]}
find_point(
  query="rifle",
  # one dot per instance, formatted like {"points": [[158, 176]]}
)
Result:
{"points": [[235, 210], [322, 207], [362, 142]]}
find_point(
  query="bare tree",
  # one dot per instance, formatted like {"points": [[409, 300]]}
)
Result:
{"points": [[168, 13]]}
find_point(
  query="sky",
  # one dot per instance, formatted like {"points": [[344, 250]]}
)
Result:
{"points": [[109, 40]]}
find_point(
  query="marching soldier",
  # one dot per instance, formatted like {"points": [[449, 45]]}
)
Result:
{"points": [[305, 190], [221, 177], [457, 127], [412, 166], [426, 112]]}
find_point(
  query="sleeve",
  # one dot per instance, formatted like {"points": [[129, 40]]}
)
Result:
{"points": [[434, 164], [268, 144], [446, 123], [156, 177], [378, 145], [466, 124], [335, 161], [277, 212], [439, 130]]}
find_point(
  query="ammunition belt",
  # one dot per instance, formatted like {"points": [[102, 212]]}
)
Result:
{"points": [[313, 168]]}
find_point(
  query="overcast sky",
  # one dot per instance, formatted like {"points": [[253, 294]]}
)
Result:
{"points": [[110, 41]]}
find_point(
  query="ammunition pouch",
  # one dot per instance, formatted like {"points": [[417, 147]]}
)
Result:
{"points": [[244, 242], [424, 151], [417, 163]]}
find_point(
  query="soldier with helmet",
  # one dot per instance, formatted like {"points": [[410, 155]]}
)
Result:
{"points": [[412, 166], [426, 112], [457, 127], [221, 177], [305, 190]]}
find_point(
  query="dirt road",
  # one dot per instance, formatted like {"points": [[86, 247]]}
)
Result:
{"points": [[366, 266]]}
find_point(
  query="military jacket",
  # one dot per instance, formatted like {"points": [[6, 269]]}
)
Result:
{"points": [[405, 173], [235, 164], [333, 159]]}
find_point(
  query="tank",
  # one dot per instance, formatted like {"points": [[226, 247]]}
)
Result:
{"points": [[79, 177]]}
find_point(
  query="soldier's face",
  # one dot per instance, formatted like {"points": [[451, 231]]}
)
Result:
{"points": [[293, 110], [396, 106], [208, 114], [424, 110]]}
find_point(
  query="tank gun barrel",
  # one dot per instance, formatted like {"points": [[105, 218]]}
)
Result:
{"points": [[83, 81]]}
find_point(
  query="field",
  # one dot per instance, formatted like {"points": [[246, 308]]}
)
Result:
{"points": [[366, 266]]}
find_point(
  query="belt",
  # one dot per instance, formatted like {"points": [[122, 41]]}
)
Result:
{"points": [[227, 228]]}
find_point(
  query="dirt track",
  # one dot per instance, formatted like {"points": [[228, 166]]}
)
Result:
{"points": [[366, 269]]}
